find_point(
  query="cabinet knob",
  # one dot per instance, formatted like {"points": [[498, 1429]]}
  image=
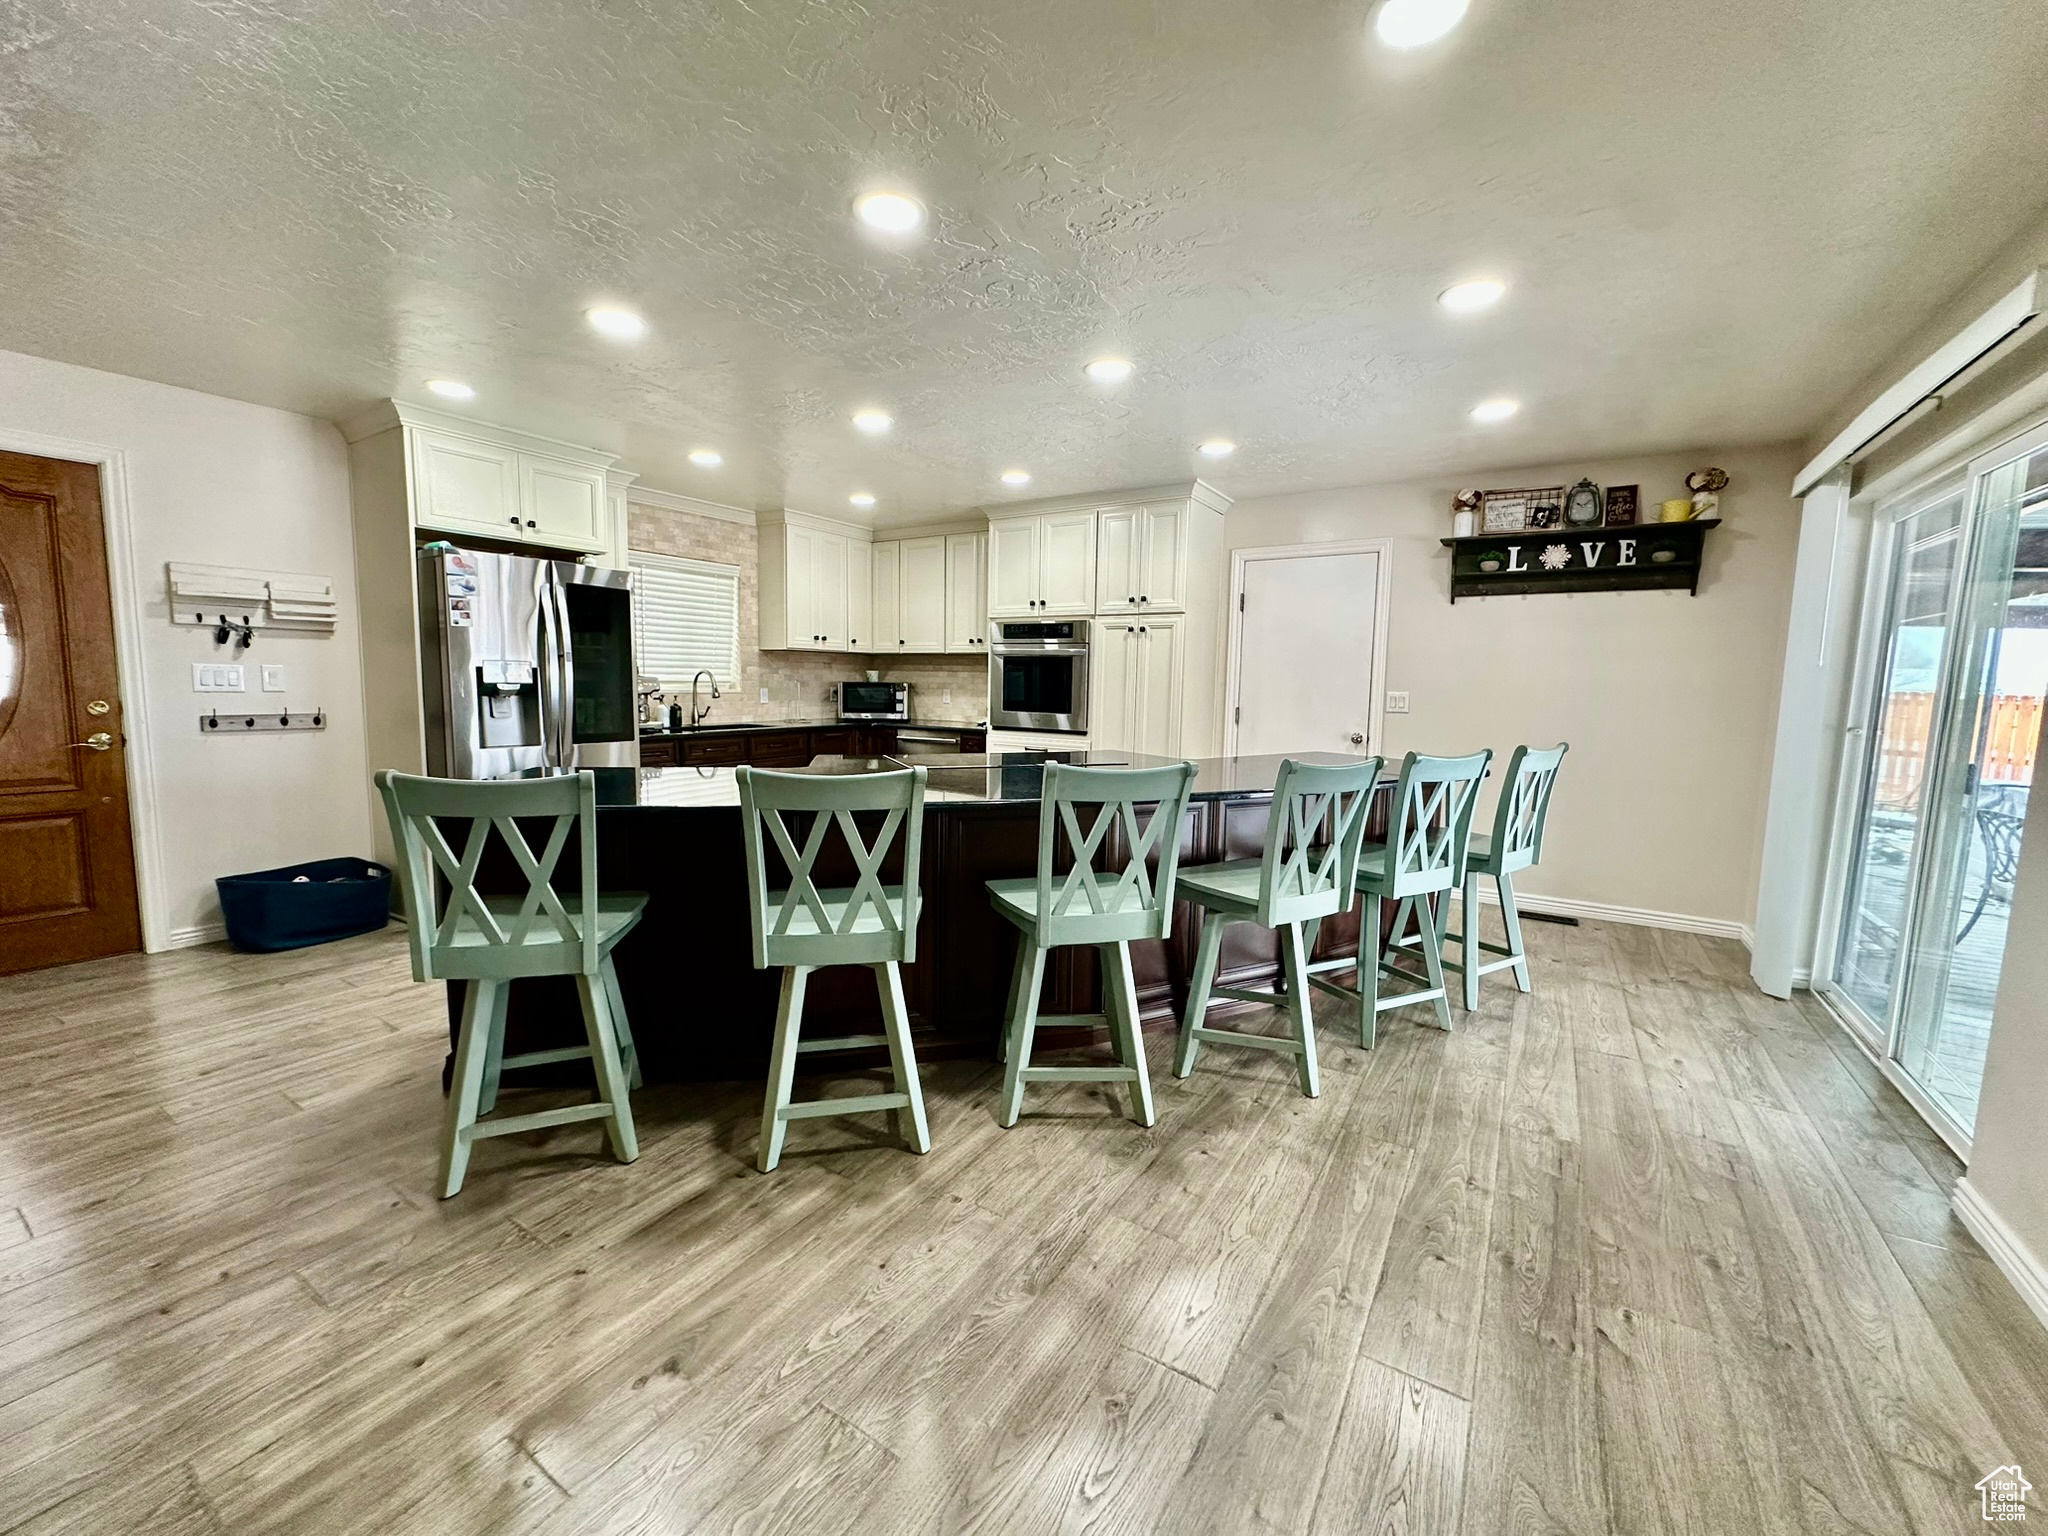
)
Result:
{"points": [[1358, 738], [513, 521], [531, 523]]}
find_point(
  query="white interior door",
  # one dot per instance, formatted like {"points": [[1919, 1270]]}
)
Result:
{"points": [[1307, 649]]}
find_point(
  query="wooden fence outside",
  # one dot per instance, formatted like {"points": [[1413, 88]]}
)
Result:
{"points": [[2013, 733]]}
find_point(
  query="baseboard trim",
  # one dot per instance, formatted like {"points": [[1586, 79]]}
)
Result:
{"points": [[2017, 1262], [1602, 912], [192, 938]]}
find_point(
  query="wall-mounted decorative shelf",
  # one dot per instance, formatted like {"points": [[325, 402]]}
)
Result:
{"points": [[1641, 557]]}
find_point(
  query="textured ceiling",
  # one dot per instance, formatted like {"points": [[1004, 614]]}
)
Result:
{"points": [[1713, 216]]}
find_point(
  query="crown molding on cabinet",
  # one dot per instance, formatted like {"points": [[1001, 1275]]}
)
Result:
{"points": [[387, 414], [1201, 492], [674, 501], [859, 532]]}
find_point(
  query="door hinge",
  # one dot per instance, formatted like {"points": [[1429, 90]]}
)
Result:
{"points": [[1237, 716], [1240, 602]]}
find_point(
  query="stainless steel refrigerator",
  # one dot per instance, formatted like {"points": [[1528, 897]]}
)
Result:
{"points": [[527, 665]]}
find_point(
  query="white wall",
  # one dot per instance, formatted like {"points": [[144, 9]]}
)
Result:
{"points": [[1669, 701], [225, 483]]}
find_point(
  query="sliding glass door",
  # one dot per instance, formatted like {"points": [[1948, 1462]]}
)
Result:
{"points": [[1956, 671]]}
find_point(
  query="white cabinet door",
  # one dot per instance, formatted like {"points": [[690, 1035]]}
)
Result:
{"points": [[967, 593], [463, 486], [1113, 685], [1162, 567], [561, 504], [800, 576], [887, 621], [922, 601], [1013, 568], [1066, 563], [1156, 675], [828, 590], [860, 596], [1119, 547]]}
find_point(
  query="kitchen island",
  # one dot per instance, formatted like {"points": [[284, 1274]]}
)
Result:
{"points": [[700, 1010]]}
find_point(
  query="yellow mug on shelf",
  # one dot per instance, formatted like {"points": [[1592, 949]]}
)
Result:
{"points": [[1677, 510]]}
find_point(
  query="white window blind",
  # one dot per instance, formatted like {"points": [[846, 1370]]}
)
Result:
{"points": [[686, 618]]}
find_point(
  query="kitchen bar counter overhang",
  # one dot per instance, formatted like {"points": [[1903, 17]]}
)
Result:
{"points": [[700, 1010]]}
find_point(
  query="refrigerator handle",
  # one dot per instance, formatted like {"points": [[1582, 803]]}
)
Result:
{"points": [[565, 655], [550, 696]]}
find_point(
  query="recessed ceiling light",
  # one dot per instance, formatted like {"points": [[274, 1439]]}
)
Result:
{"points": [[1109, 370], [1413, 23], [706, 458], [1016, 477], [451, 389], [1217, 448], [873, 421], [891, 212], [1470, 298], [1495, 410], [861, 499], [619, 324]]}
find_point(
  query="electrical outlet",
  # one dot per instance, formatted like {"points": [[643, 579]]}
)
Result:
{"points": [[273, 677], [217, 677], [764, 695], [1397, 703], [945, 695]]}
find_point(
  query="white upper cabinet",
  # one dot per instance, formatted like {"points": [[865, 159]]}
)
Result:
{"points": [[816, 588], [473, 485], [967, 593], [887, 585], [1041, 565], [462, 486], [1142, 559], [921, 623], [563, 503]]}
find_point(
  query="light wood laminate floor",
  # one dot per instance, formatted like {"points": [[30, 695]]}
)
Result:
{"points": [[1644, 1251]]}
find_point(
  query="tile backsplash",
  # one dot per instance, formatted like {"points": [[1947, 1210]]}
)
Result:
{"points": [[801, 685]]}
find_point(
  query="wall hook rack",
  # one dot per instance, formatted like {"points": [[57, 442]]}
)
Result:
{"points": [[214, 723]]}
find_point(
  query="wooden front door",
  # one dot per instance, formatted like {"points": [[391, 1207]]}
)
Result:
{"points": [[67, 867]]}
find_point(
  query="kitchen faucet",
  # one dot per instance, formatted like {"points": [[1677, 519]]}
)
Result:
{"points": [[697, 715]]}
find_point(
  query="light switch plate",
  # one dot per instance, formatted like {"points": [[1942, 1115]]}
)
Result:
{"points": [[273, 677], [764, 695], [1397, 703], [945, 696], [217, 677]]}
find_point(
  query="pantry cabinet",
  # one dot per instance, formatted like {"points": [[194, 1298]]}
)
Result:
{"points": [[1042, 565], [1137, 676], [1142, 558]]}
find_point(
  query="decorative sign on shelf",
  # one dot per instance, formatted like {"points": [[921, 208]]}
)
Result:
{"points": [[1652, 557]]}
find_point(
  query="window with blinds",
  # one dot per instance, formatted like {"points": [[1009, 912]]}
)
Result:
{"points": [[686, 619]]}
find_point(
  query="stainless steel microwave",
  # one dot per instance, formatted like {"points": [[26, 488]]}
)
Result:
{"points": [[862, 700], [1038, 675]]}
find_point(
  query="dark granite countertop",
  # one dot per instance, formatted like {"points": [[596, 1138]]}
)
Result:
{"points": [[823, 723], [998, 779]]}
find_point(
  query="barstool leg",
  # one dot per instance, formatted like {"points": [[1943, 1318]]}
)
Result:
{"points": [[1433, 966], [1120, 994], [1023, 1024], [628, 1052], [1294, 961], [1016, 990], [1207, 951], [471, 1045], [1513, 921], [1369, 971], [611, 1072], [494, 1046], [910, 1119], [1470, 953], [789, 1015]]}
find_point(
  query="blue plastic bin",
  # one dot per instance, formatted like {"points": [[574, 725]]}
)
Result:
{"points": [[305, 903]]}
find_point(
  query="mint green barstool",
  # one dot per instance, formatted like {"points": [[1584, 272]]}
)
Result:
{"points": [[1515, 843], [1307, 872], [491, 941], [802, 926], [1424, 855], [1106, 908]]}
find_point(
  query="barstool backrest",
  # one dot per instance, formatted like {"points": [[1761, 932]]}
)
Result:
{"points": [[1431, 826], [802, 923], [1091, 905], [464, 938], [1524, 805], [1313, 836]]}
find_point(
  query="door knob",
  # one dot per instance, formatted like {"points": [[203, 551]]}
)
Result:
{"points": [[98, 741], [1358, 738]]}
